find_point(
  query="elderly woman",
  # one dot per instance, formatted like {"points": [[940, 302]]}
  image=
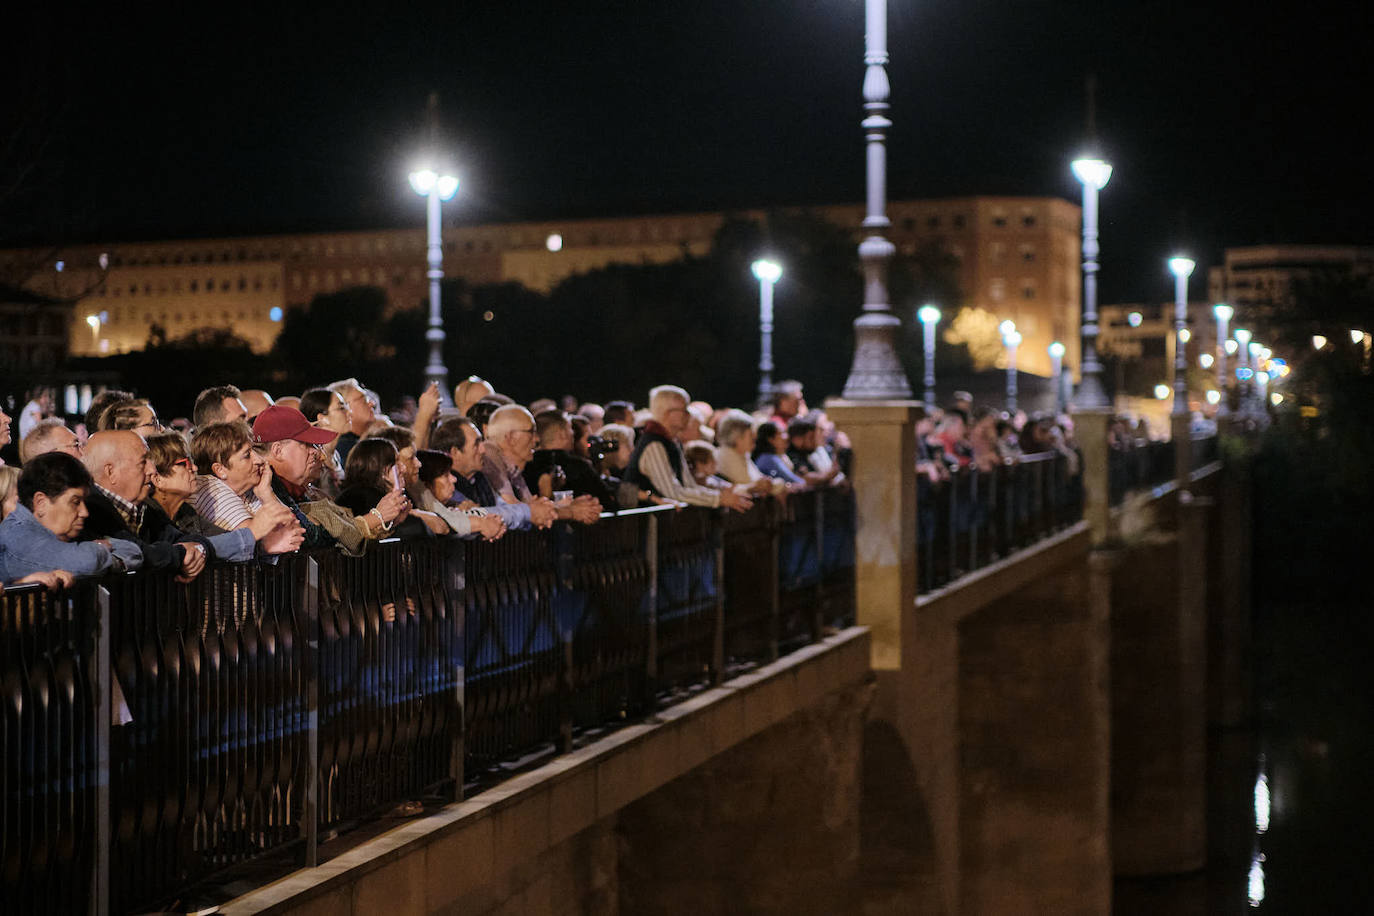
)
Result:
{"points": [[437, 486], [371, 471], [735, 432], [274, 529], [38, 536], [770, 455]]}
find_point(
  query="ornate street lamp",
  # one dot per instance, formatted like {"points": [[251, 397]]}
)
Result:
{"points": [[1182, 269], [930, 317], [876, 373], [767, 273], [1011, 338], [1223, 313], [1094, 175], [1056, 350]]}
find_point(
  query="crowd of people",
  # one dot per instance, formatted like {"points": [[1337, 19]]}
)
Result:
{"points": [[246, 477]]}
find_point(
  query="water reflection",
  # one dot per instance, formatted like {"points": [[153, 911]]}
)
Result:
{"points": [[1257, 879]]}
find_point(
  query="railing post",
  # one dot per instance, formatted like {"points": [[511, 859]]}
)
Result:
{"points": [[455, 593], [1092, 440], [718, 640], [102, 837], [310, 612], [651, 655], [776, 519], [818, 609]]}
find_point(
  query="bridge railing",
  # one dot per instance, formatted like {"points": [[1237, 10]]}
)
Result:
{"points": [[977, 517], [1143, 465], [155, 734]]}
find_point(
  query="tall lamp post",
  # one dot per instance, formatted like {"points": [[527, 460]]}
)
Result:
{"points": [[876, 373], [1223, 313], [767, 273], [435, 188], [1243, 360], [1011, 338], [1057, 373], [1182, 269], [1093, 174], [930, 317]]}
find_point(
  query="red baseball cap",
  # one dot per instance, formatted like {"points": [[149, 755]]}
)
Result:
{"points": [[278, 422]]}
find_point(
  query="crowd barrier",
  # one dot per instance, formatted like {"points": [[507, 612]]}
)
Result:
{"points": [[156, 734]]}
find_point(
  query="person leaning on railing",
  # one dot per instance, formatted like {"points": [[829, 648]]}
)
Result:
{"points": [[273, 527], [437, 489], [293, 455], [371, 474], [658, 465], [39, 535], [770, 455], [736, 438], [460, 439]]}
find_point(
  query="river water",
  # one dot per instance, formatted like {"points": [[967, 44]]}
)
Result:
{"points": [[1291, 795]]}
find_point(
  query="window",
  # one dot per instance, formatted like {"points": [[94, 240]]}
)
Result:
{"points": [[1028, 292], [195, 286], [999, 221], [1028, 254], [959, 221], [997, 290], [909, 224], [1028, 220], [933, 222]]}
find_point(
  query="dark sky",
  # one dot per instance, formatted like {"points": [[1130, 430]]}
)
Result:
{"points": [[1228, 123]]}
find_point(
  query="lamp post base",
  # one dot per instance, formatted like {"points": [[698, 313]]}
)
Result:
{"points": [[876, 373]]}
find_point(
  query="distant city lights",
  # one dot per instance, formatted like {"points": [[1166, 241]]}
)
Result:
{"points": [[1161, 391], [1356, 335], [1230, 347], [1134, 319], [1276, 399], [1244, 373], [1213, 397], [274, 313], [1185, 335], [554, 242], [1318, 341], [1206, 360]]}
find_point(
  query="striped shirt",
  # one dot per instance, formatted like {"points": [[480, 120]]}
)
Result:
{"points": [[654, 464], [215, 502]]}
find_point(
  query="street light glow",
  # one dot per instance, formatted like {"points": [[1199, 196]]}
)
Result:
{"points": [[1206, 360], [93, 321], [1230, 347], [448, 186], [1185, 335], [1092, 172], [1013, 339], [928, 314], [1223, 311], [1057, 350], [554, 242], [1356, 335], [1006, 327], [766, 271], [1162, 391], [1181, 267], [422, 180], [1213, 396], [1134, 319], [1243, 336], [1318, 341]]}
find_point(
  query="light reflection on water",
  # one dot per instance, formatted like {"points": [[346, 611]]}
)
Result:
{"points": [[1255, 879]]}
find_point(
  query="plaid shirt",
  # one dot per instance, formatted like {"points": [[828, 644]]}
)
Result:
{"points": [[132, 513]]}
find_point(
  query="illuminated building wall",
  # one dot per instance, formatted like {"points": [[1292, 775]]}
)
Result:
{"points": [[1018, 256]]}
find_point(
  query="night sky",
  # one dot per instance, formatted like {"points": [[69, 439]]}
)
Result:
{"points": [[1228, 124]]}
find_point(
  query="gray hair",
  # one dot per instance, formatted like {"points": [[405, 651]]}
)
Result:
{"points": [[732, 426]]}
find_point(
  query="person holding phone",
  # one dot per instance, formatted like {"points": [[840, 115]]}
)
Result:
{"points": [[371, 474]]}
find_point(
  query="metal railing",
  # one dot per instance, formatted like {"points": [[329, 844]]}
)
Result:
{"points": [[976, 518], [1146, 464], [155, 734], [1205, 450]]}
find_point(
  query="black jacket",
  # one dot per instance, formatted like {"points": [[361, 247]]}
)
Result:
{"points": [[157, 536]]}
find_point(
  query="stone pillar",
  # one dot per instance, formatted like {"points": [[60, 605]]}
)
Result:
{"points": [[1158, 691], [1230, 580], [883, 434], [1090, 428], [1033, 728]]}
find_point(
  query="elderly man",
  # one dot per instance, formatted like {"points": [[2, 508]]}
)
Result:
{"points": [[293, 455], [360, 414], [658, 465], [511, 437], [469, 391], [122, 479], [460, 439], [219, 404], [50, 435], [255, 401]]}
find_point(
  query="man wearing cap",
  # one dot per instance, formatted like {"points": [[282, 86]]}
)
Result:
{"points": [[293, 453]]}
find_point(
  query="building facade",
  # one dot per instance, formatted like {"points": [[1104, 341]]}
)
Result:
{"points": [[1252, 279], [1018, 259]]}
